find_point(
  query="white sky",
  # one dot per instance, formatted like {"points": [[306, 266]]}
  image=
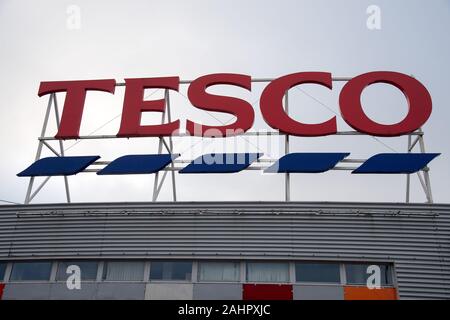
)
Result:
{"points": [[124, 39]]}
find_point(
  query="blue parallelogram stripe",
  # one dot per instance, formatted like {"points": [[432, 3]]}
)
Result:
{"points": [[138, 164], [58, 166], [396, 163], [221, 163], [306, 162]]}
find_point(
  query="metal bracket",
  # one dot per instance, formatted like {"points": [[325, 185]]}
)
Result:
{"points": [[52, 102]]}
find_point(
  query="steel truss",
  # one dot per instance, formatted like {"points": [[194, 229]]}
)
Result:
{"points": [[167, 144]]}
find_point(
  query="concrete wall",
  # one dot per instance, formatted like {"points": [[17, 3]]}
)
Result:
{"points": [[123, 291], [318, 292], [179, 291], [217, 291], [169, 291]]}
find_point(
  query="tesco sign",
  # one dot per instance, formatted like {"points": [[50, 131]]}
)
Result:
{"points": [[271, 104]]}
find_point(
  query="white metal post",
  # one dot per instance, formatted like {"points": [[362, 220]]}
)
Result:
{"points": [[39, 149], [169, 118], [425, 171], [61, 146], [287, 187], [155, 183], [408, 176]]}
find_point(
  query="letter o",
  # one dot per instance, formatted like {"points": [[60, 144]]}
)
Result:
{"points": [[417, 96]]}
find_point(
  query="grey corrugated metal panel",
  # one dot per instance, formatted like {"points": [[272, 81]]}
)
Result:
{"points": [[425, 270], [333, 230], [425, 296], [224, 214], [288, 235], [198, 246], [80, 238], [248, 220], [212, 252], [166, 226], [218, 227], [421, 240], [417, 243], [245, 215], [191, 247], [234, 204], [426, 286], [437, 278]]}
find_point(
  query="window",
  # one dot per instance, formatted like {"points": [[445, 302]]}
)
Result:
{"points": [[123, 271], [218, 271], [357, 273], [88, 270], [170, 270], [28, 271], [267, 272], [2, 271], [317, 272]]}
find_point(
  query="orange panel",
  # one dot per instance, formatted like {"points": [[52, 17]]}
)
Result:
{"points": [[364, 293]]}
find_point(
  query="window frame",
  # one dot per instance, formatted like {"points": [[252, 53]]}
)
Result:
{"points": [[59, 262], [325, 283], [287, 262], [104, 271], [192, 279], [390, 272], [47, 280], [3, 279], [238, 267]]}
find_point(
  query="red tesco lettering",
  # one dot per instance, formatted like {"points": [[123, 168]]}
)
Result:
{"points": [[271, 104]]}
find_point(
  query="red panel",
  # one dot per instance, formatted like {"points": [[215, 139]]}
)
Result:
{"points": [[2, 286], [364, 293], [267, 292]]}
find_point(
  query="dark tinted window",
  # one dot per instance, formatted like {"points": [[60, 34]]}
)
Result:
{"points": [[88, 270], [170, 270], [358, 273], [317, 272], [25, 271], [2, 271]]}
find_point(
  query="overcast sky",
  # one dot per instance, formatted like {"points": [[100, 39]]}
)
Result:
{"points": [[46, 40]]}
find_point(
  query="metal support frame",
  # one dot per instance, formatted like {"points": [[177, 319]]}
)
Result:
{"points": [[52, 101], [287, 180], [260, 164], [158, 185], [423, 175]]}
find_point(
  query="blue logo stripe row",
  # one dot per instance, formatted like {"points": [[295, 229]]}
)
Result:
{"points": [[306, 162], [396, 163], [138, 164], [58, 166], [389, 163], [221, 163]]}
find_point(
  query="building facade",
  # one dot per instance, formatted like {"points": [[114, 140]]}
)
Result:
{"points": [[226, 250]]}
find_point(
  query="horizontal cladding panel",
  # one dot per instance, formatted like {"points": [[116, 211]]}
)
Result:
{"points": [[413, 236], [157, 234], [247, 216], [386, 251]]}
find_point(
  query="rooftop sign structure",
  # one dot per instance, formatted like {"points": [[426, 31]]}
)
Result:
{"points": [[274, 107]]}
